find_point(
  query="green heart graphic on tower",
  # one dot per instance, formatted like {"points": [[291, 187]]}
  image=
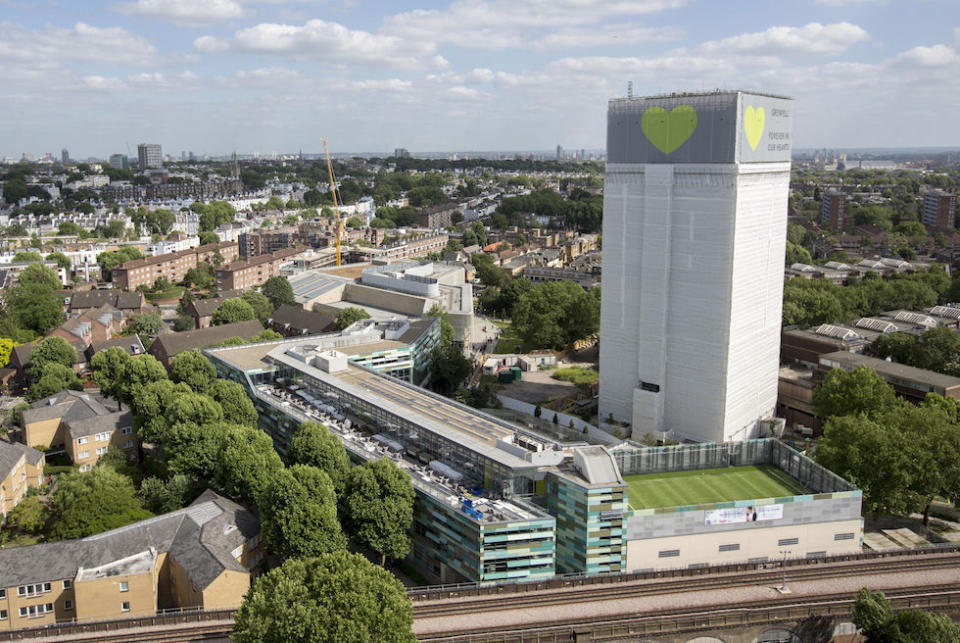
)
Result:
{"points": [[669, 130]]}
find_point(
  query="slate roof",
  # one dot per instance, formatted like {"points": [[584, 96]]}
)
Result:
{"points": [[97, 298], [199, 537], [130, 343], [69, 406], [308, 322], [97, 423], [173, 343], [10, 454]]}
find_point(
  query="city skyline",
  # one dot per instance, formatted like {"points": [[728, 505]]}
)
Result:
{"points": [[262, 76]]}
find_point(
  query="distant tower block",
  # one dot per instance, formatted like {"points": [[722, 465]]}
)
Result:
{"points": [[694, 233]]}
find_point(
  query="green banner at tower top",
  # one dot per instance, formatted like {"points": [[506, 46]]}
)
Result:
{"points": [[716, 127]]}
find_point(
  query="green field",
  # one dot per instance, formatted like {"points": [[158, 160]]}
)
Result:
{"points": [[703, 486]]}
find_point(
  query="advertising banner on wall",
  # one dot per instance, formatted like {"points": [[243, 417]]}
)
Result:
{"points": [[743, 514]]}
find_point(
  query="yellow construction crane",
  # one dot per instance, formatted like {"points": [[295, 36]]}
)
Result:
{"points": [[333, 193]]}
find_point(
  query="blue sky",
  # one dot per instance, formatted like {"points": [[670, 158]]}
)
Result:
{"points": [[267, 76]]}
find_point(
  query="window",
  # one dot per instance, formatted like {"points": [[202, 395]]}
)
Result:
{"points": [[3, 615], [846, 536], [103, 437], [67, 584], [125, 606], [3, 593], [36, 611], [68, 605], [101, 450], [83, 454], [84, 468], [126, 430], [650, 386], [788, 541], [733, 547], [124, 586], [669, 553], [128, 444], [82, 440], [33, 590]]}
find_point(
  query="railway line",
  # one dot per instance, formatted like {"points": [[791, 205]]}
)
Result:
{"points": [[555, 596], [689, 621]]}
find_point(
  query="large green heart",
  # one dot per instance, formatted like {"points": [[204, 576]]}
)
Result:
{"points": [[668, 131]]}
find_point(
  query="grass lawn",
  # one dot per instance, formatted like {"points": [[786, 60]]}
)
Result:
{"points": [[582, 377], [709, 485], [509, 340]]}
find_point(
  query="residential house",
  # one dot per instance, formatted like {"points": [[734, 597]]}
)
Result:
{"points": [[166, 347], [200, 557], [243, 275], [294, 321], [20, 469], [128, 303]]}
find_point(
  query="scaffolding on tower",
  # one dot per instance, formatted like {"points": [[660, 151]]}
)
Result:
{"points": [[333, 193]]}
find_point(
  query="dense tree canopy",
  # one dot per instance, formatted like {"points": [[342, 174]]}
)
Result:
{"points": [[247, 463], [88, 503], [279, 291], [333, 598], [874, 615], [193, 369], [262, 307], [937, 349], [298, 512], [232, 398], [554, 313], [52, 350], [232, 311], [350, 315], [314, 445], [377, 507], [858, 392]]}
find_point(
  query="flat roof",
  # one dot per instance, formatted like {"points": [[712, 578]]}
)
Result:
{"points": [[703, 486], [893, 369], [471, 429]]}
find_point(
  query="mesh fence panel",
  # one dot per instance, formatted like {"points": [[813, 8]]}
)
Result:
{"points": [[685, 457]]}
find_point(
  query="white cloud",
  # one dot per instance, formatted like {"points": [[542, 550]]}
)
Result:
{"points": [[935, 56], [211, 44], [329, 41], [82, 42], [184, 12], [813, 38], [392, 85], [501, 24]]}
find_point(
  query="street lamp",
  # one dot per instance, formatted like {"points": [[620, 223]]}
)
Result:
{"points": [[783, 585]]}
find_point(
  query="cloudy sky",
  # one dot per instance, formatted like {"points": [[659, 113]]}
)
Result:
{"points": [[212, 76]]}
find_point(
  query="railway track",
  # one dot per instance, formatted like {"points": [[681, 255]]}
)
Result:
{"points": [[555, 596], [687, 621]]}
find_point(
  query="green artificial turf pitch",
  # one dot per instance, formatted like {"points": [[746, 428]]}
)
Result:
{"points": [[703, 486]]}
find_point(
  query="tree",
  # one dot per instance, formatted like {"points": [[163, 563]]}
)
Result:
{"points": [[194, 370], [279, 291], [873, 614], [106, 368], [89, 503], [194, 449], [208, 237], [146, 325], [25, 256], [184, 322], [262, 307], [555, 313], [236, 406], [378, 508], [314, 445], [350, 315], [329, 599], [163, 496], [247, 463], [63, 261], [232, 311], [54, 350], [797, 254], [150, 405], [138, 372], [14, 190], [6, 348], [53, 378], [202, 276], [449, 367], [298, 512], [39, 275], [860, 391]]}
